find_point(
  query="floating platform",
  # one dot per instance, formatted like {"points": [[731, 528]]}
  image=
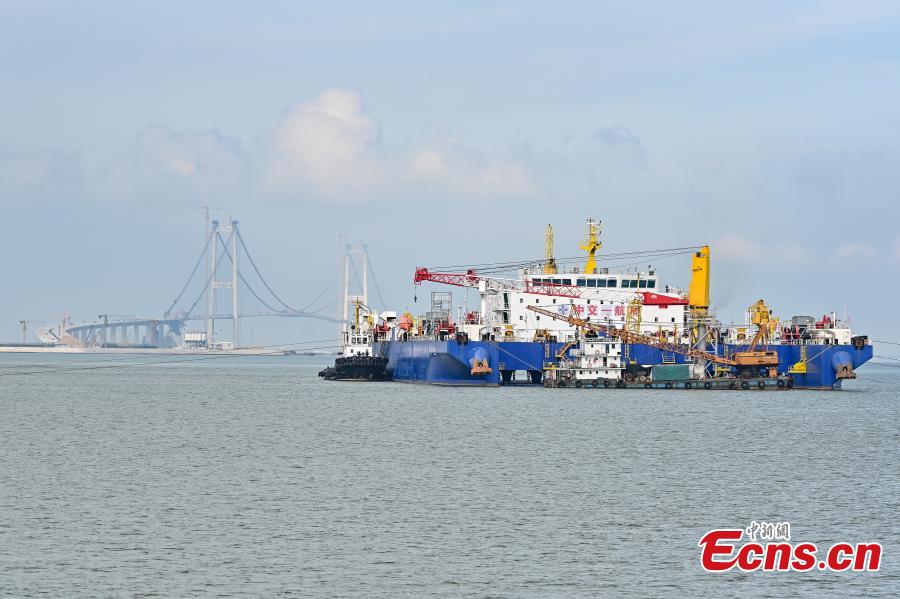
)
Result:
{"points": [[732, 384]]}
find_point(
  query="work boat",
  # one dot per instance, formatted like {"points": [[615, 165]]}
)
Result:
{"points": [[615, 327], [358, 361]]}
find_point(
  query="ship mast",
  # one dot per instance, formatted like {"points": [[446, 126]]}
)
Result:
{"points": [[549, 260], [591, 245]]}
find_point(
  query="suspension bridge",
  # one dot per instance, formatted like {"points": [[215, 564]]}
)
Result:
{"points": [[225, 279]]}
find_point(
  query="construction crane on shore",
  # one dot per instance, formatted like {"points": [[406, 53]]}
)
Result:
{"points": [[632, 337], [25, 324]]}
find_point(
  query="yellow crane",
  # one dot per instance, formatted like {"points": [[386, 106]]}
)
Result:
{"points": [[591, 245], [633, 314], [549, 260], [761, 316]]}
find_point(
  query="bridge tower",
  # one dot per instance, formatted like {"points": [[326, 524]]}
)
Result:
{"points": [[216, 240], [355, 258]]}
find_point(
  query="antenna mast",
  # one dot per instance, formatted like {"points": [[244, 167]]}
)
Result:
{"points": [[591, 245], [550, 261]]}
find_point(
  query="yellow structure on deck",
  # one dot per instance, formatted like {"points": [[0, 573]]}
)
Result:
{"points": [[800, 367], [698, 299], [761, 316], [550, 261], [629, 337], [591, 245], [633, 314], [698, 292]]}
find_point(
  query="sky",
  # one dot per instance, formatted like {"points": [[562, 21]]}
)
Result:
{"points": [[448, 134]]}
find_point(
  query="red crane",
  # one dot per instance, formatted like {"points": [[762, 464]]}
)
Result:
{"points": [[472, 279]]}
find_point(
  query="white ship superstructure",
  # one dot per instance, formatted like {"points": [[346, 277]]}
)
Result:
{"points": [[635, 299], [606, 297]]}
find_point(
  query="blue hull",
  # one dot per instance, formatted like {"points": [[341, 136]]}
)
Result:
{"points": [[822, 363], [438, 362], [450, 362]]}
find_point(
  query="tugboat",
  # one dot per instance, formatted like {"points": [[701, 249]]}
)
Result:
{"points": [[358, 361]]}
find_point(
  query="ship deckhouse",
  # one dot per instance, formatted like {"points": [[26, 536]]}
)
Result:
{"points": [[633, 299]]}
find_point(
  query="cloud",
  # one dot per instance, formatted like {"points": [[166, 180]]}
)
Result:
{"points": [[331, 146], [324, 149], [195, 154], [856, 250], [443, 164], [163, 161], [620, 139]]}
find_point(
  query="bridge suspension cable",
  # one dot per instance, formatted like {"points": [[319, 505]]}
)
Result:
{"points": [[212, 275], [375, 281], [278, 308], [276, 312], [190, 278]]}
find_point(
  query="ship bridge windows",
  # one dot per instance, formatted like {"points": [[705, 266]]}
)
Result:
{"points": [[586, 282]]}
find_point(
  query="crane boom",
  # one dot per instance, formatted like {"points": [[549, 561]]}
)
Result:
{"points": [[633, 337], [471, 279]]}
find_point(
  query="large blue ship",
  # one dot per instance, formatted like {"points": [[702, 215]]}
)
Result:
{"points": [[598, 325], [450, 362]]}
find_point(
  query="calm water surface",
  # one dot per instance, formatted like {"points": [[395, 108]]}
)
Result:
{"points": [[250, 476]]}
